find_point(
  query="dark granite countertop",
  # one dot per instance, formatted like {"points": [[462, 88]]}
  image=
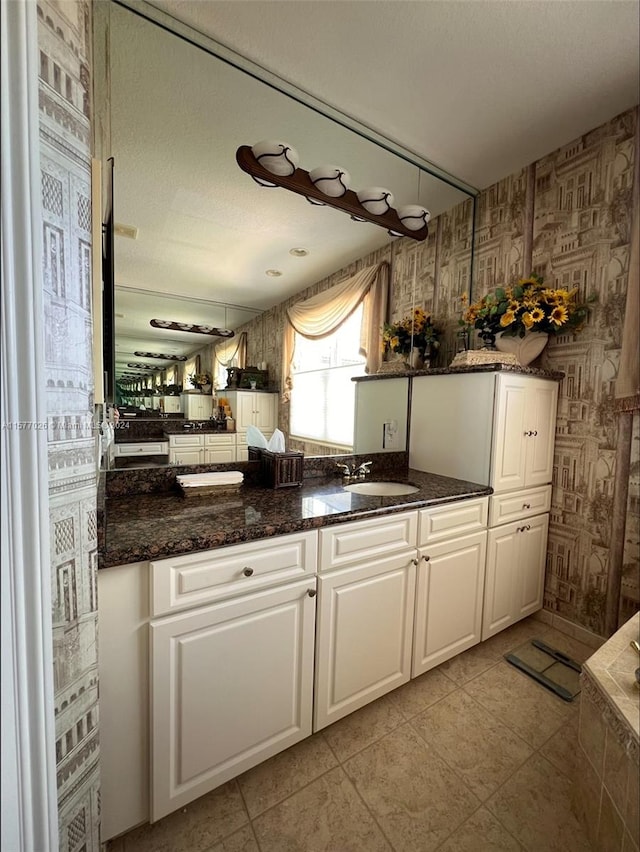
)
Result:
{"points": [[139, 527], [145, 431], [477, 368]]}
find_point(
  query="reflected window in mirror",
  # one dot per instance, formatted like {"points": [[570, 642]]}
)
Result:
{"points": [[322, 398], [232, 353], [191, 368]]}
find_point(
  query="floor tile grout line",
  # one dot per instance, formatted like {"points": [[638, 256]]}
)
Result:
{"points": [[535, 753], [377, 739], [427, 706], [368, 809], [518, 736], [480, 807], [295, 792], [511, 728]]}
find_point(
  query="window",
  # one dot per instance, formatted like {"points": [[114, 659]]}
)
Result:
{"points": [[323, 395], [44, 67]]}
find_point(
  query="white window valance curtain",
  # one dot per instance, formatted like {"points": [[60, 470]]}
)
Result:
{"points": [[225, 354], [323, 314], [190, 369]]}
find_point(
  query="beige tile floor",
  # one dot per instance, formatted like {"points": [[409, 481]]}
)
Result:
{"points": [[471, 757]]}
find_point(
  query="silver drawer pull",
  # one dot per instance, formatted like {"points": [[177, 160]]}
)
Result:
{"points": [[312, 593], [526, 505], [426, 558], [248, 572]]}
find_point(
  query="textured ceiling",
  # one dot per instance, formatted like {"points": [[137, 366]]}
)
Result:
{"points": [[480, 88]]}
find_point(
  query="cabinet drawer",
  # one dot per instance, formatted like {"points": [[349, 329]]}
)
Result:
{"points": [[147, 448], [199, 578], [345, 544], [453, 519], [190, 440], [228, 440], [504, 508]]}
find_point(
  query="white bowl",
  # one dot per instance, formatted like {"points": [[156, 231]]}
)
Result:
{"points": [[277, 157], [376, 199], [413, 216], [330, 180]]}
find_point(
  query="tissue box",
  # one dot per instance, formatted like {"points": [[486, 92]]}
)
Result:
{"points": [[278, 470]]}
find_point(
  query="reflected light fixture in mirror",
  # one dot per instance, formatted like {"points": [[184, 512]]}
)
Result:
{"points": [[192, 328], [162, 357]]}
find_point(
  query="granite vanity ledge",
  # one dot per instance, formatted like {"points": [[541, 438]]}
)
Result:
{"points": [[162, 524], [483, 368]]}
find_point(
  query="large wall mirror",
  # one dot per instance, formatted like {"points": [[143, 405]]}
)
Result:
{"points": [[197, 239]]}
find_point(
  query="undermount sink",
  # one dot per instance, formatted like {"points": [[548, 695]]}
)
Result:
{"points": [[381, 489]]}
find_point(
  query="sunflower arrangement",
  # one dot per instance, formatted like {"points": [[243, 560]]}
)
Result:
{"points": [[414, 331], [526, 306], [199, 379]]}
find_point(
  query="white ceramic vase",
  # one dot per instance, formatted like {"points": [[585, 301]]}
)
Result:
{"points": [[526, 349]]}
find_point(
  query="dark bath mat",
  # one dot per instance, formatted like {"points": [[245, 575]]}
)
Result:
{"points": [[549, 667]]}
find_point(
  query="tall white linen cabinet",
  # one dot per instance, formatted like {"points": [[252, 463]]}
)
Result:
{"points": [[498, 429]]}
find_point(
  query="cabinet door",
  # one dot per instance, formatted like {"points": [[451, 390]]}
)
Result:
{"points": [[532, 559], [514, 587], [172, 404], [231, 686], [266, 412], [365, 625], [500, 591], [244, 412], [185, 455], [450, 589], [541, 420], [197, 406], [509, 447], [219, 454]]}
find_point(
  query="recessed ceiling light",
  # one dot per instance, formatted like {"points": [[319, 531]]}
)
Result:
{"points": [[273, 273], [298, 252]]}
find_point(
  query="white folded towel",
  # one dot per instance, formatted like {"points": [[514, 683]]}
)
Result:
{"points": [[223, 477]]}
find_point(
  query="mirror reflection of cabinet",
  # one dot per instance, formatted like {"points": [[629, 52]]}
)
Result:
{"points": [[252, 408], [170, 404], [197, 406]]}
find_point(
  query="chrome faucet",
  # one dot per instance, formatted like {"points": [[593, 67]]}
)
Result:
{"points": [[362, 470], [355, 471]]}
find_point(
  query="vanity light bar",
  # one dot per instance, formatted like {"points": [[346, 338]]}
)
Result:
{"points": [[162, 357], [192, 328], [300, 183], [145, 366]]}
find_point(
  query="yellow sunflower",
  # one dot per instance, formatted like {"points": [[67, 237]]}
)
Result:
{"points": [[527, 319], [507, 318], [537, 314], [559, 315]]}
